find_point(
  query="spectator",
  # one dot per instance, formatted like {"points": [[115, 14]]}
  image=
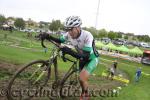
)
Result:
{"points": [[138, 74], [114, 65], [111, 73], [10, 29]]}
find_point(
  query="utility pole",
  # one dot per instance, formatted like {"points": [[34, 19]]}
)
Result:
{"points": [[97, 13]]}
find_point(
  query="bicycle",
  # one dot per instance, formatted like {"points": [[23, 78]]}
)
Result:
{"points": [[27, 80]]}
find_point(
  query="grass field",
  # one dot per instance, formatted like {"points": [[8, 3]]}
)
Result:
{"points": [[32, 50]]}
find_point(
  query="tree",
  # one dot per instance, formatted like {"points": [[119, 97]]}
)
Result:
{"points": [[30, 23], [147, 38], [41, 25], [20, 23], [144, 38], [2, 20], [92, 30], [102, 33], [119, 34], [10, 18], [55, 25], [126, 37], [112, 35]]}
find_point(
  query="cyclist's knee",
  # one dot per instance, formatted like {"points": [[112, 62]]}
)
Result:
{"points": [[83, 75]]}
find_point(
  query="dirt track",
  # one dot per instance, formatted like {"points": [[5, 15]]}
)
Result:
{"points": [[7, 70]]}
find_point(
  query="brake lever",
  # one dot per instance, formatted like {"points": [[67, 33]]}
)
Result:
{"points": [[63, 57], [42, 43]]}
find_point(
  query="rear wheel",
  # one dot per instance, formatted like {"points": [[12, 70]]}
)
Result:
{"points": [[29, 80]]}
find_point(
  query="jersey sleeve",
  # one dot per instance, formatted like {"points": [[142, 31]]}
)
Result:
{"points": [[88, 43], [88, 46]]}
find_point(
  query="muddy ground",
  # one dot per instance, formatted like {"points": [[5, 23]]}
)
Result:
{"points": [[96, 83]]}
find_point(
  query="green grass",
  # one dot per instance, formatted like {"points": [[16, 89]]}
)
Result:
{"points": [[134, 91], [19, 39], [15, 55]]}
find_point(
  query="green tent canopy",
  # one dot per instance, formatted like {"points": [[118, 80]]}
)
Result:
{"points": [[111, 46], [99, 44], [136, 51], [123, 49]]}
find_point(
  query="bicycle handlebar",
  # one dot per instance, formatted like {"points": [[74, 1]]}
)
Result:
{"points": [[58, 45], [42, 43]]}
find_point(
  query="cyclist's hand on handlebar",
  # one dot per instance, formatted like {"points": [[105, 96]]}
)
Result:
{"points": [[45, 36], [66, 49]]}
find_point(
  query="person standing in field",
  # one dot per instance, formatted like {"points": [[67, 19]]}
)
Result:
{"points": [[138, 74]]}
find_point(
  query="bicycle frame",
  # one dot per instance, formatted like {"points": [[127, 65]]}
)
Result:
{"points": [[53, 59], [72, 69], [42, 70]]}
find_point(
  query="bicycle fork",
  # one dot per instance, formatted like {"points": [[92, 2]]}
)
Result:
{"points": [[40, 75]]}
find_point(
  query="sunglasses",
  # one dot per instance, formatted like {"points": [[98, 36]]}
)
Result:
{"points": [[68, 29]]}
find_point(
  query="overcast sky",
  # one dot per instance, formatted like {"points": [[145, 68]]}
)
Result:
{"points": [[117, 15]]}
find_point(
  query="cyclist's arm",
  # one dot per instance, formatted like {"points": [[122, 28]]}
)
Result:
{"points": [[84, 56], [58, 40]]}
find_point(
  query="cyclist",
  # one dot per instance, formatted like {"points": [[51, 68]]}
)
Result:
{"points": [[83, 42]]}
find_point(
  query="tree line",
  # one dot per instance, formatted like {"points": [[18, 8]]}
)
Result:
{"points": [[57, 25]]}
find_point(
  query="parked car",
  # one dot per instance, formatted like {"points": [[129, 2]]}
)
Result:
{"points": [[145, 45], [132, 43], [119, 41], [106, 40]]}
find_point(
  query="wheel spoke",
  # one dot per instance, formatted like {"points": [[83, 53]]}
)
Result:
{"points": [[27, 80]]}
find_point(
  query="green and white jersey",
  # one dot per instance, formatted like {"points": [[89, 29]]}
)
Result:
{"points": [[82, 43]]}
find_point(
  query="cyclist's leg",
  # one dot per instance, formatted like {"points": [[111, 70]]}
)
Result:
{"points": [[85, 73], [81, 64]]}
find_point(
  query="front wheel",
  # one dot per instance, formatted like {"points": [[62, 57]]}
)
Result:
{"points": [[28, 80], [70, 86]]}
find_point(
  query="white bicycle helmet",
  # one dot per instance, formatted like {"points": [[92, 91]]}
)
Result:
{"points": [[72, 21]]}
